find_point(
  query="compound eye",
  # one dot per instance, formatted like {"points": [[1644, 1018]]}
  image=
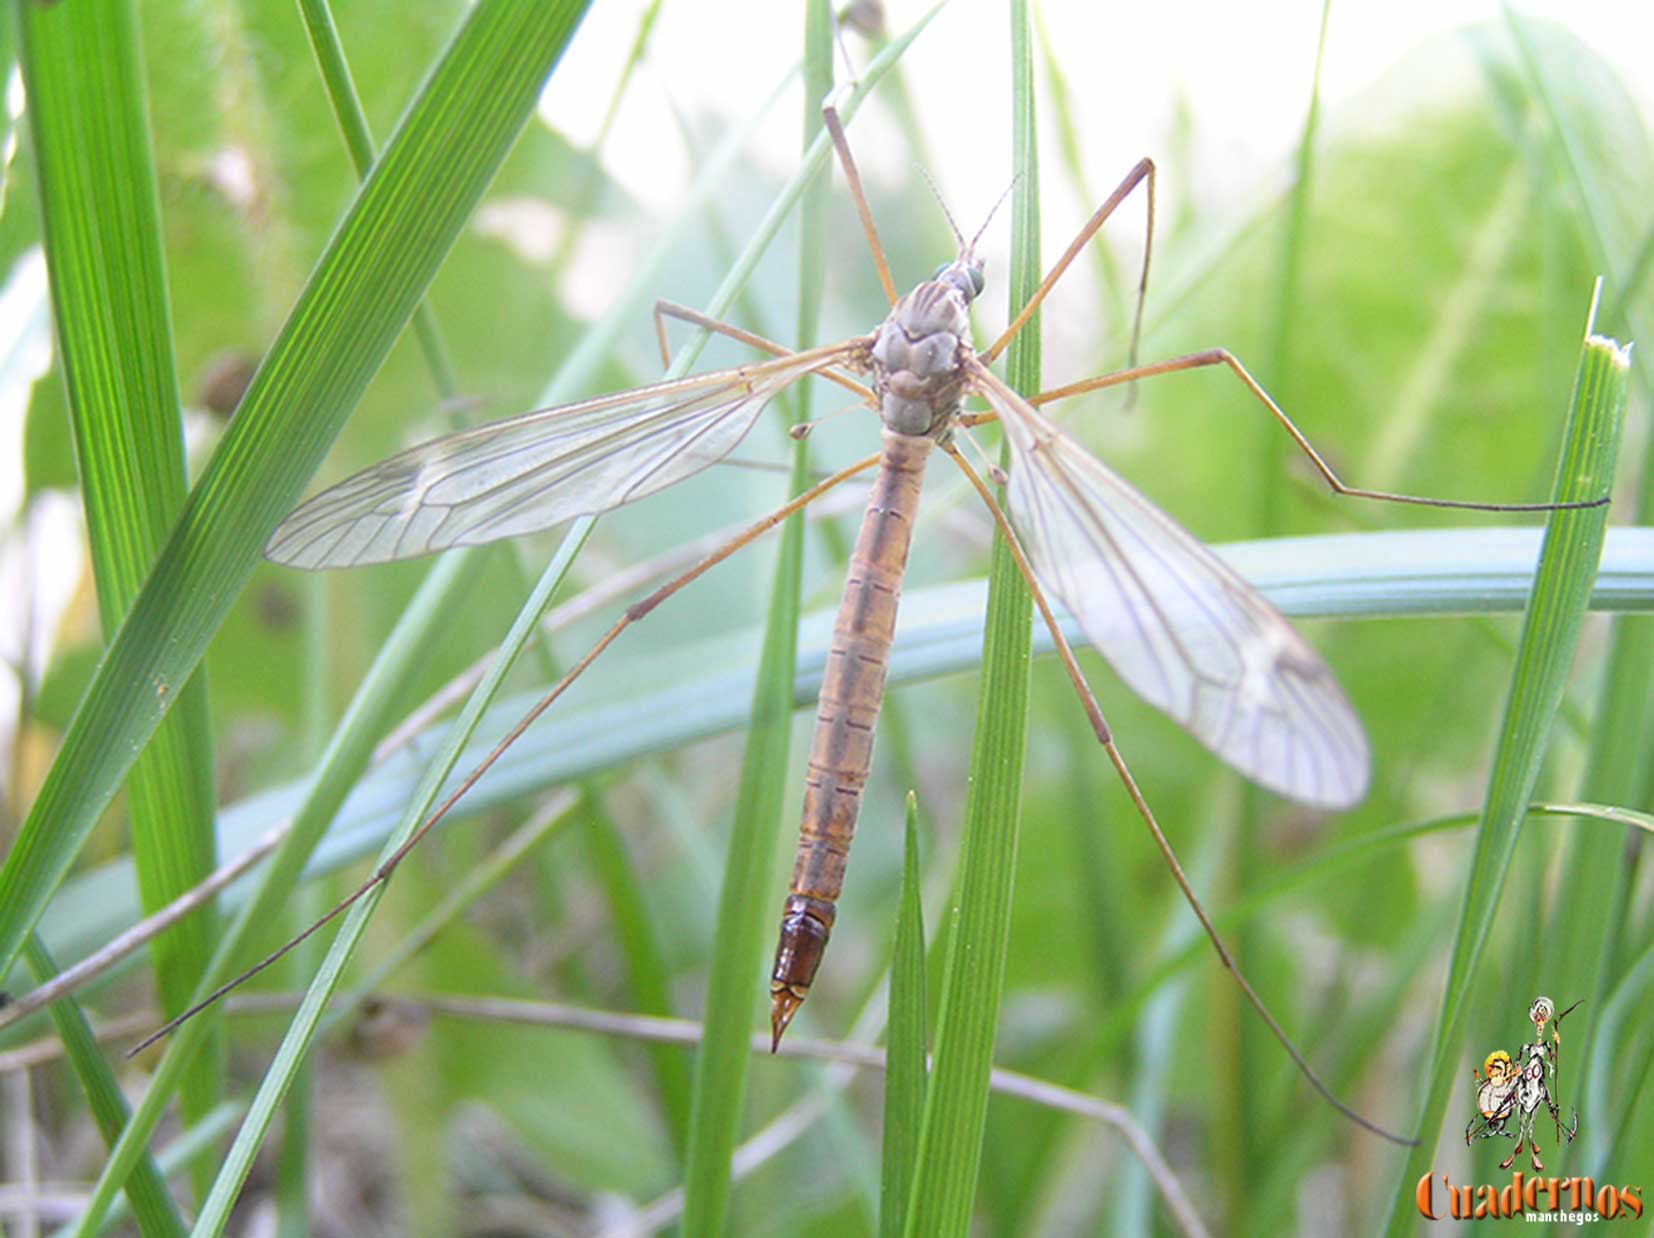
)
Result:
{"points": [[940, 271], [977, 282]]}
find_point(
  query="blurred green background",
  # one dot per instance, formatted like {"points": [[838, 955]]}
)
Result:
{"points": [[1412, 290]]}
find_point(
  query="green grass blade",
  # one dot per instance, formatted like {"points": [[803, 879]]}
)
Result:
{"points": [[478, 880], [295, 1154], [347, 753], [196, 1143], [1603, 1091], [745, 906], [607, 854], [362, 292], [639, 940], [745, 902], [1545, 653], [151, 1204], [723, 1061], [302, 1030], [1320, 871], [353, 127], [101, 223], [904, 1056], [956, 1102], [1587, 936]]}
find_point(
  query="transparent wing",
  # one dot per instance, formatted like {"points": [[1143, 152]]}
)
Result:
{"points": [[1184, 631], [531, 472]]}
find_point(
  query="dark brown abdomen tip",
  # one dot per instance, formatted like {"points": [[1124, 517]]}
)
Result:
{"points": [[806, 924]]}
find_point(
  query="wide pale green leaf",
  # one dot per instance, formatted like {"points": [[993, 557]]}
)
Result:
{"points": [[1371, 575]]}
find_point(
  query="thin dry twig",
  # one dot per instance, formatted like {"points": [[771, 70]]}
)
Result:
{"points": [[784, 1130], [796, 1122], [105, 957]]}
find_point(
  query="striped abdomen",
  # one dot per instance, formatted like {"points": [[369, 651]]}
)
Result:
{"points": [[851, 692]]}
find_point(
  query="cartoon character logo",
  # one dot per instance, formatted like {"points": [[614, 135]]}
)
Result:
{"points": [[1495, 1095], [1516, 1088]]}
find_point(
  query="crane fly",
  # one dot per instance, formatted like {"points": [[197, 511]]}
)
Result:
{"points": [[1183, 629]]}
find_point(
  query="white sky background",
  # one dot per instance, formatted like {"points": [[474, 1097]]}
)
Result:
{"points": [[1243, 71], [1238, 75]]}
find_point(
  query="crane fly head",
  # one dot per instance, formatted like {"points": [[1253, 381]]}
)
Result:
{"points": [[963, 274]]}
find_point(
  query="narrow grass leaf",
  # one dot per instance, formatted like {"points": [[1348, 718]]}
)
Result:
{"points": [[744, 904], [905, 1039], [1605, 1095], [150, 1202], [606, 852], [639, 942], [1545, 653], [956, 1101], [1587, 936], [196, 1143], [301, 1031], [722, 1064], [366, 718], [362, 292], [353, 127], [294, 1157], [101, 222]]}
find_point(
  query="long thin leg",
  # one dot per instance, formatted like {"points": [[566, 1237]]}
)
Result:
{"points": [[1143, 276], [829, 117], [631, 615], [1222, 356], [1094, 713], [665, 309], [671, 309], [1144, 170]]}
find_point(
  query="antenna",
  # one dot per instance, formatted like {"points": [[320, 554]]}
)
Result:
{"points": [[998, 202], [937, 194]]}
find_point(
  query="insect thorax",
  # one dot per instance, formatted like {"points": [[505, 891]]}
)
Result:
{"points": [[918, 373]]}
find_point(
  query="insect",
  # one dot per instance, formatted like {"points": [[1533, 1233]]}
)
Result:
{"points": [[1182, 628]]}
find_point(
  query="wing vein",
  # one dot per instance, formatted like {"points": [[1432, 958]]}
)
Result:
{"points": [[1182, 629]]}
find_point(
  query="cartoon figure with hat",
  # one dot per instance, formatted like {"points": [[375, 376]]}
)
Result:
{"points": [[1519, 1087]]}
